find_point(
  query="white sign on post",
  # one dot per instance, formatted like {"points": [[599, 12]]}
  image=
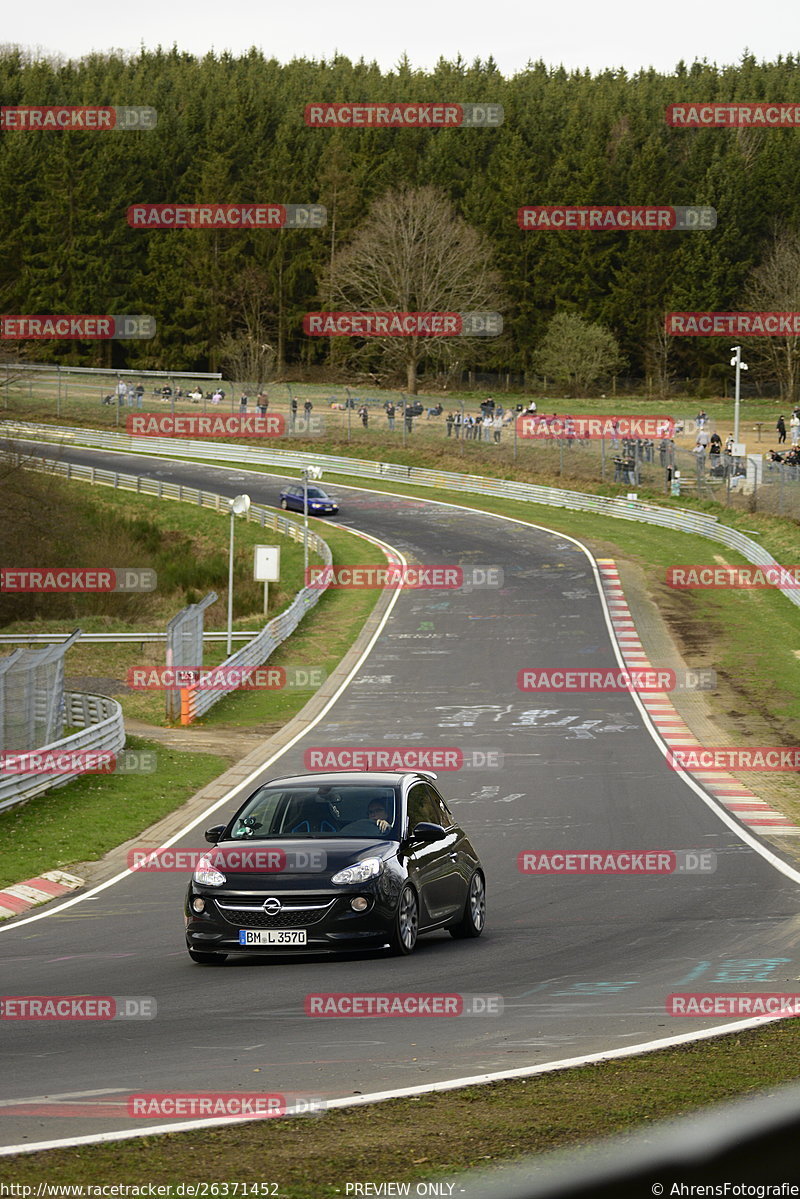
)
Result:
{"points": [[267, 567]]}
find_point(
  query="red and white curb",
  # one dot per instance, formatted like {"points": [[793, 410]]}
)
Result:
{"points": [[34, 891], [747, 807]]}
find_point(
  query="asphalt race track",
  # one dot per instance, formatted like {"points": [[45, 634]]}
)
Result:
{"points": [[583, 963]]}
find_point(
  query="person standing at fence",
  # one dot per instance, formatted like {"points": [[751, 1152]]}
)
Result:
{"points": [[390, 411], [781, 427], [293, 412], [363, 412], [498, 427], [794, 427]]}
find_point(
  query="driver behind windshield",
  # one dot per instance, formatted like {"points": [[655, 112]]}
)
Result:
{"points": [[376, 812]]}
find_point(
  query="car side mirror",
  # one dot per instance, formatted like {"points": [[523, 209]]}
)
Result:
{"points": [[427, 832], [215, 834]]}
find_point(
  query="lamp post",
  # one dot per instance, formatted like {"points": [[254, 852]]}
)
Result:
{"points": [[740, 366], [239, 506], [309, 472]]}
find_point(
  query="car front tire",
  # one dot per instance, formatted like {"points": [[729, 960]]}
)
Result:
{"points": [[403, 937], [472, 922], [284, 504], [207, 959]]}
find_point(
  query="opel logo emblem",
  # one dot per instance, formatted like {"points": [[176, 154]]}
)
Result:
{"points": [[272, 906]]}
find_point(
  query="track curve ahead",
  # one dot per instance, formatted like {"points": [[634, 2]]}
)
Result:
{"points": [[584, 964]]}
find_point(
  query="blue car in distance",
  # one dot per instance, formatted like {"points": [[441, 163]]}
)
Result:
{"points": [[319, 502]]}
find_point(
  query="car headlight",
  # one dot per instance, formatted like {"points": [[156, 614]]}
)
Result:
{"points": [[360, 873], [207, 874]]}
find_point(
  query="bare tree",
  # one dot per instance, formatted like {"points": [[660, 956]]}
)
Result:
{"points": [[657, 349], [578, 353], [247, 353], [775, 287], [414, 253]]}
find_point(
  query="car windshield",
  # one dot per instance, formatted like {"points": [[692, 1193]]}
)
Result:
{"points": [[314, 493], [276, 812]]}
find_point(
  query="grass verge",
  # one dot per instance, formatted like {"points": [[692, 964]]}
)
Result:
{"points": [[99, 812]]}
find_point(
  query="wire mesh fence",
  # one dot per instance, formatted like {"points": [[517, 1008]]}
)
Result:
{"points": [[32, 702]]}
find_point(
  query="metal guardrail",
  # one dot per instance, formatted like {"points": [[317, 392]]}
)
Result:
{"points": [[100, 730], [111, 638], [56, 369], [680, 519], [194, 701]]}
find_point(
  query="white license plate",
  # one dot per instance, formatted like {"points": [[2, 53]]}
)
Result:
{"points": [[272, 936]]}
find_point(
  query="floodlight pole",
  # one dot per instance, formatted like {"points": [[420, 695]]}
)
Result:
{"points": [[305, 525], [736, 361], [240, 504], [315, 472]]}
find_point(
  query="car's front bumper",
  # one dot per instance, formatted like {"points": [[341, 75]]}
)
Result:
{"points": [[331, 923]]}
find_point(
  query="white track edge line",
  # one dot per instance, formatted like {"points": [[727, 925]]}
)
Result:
{"points": [[450, 1084]]}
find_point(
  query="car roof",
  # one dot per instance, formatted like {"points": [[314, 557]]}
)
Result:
{"points": [[351, 778]]}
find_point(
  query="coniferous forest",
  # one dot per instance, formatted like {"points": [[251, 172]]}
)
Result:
{"points": [[232, 130]]}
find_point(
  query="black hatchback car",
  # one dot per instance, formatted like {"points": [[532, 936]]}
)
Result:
{"points": [[331, 862]]}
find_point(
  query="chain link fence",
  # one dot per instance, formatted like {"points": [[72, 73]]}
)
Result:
{"points": [[185, 646], [32, 697]]}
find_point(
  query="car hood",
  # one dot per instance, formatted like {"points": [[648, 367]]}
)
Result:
{"points": [[293, 862]]}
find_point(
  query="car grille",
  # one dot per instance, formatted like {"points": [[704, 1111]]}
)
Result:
{"points": [[297, 914]]}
